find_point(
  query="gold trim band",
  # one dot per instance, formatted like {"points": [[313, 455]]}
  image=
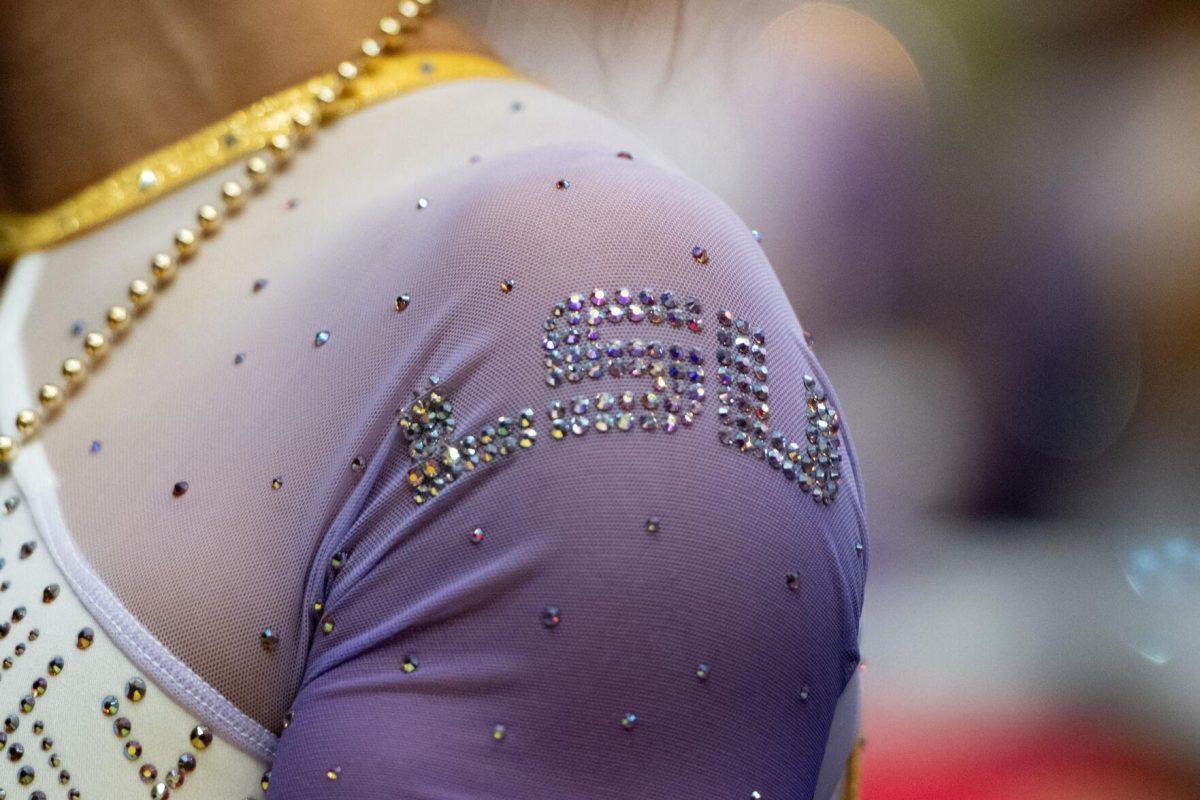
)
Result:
{"points": [[234, 137]]}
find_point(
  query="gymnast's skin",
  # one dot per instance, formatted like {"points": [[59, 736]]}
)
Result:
{"points": [[483, 456]]}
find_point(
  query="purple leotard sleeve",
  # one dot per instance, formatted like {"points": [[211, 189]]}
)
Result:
{"points": [[614, 548]]}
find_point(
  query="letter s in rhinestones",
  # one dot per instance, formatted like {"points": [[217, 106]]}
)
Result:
{"points": [[573, 350]]}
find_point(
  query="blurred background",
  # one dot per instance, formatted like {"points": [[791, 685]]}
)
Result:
{"points": [[987, 213]]}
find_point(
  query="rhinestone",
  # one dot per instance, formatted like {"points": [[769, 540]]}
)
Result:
{"points": [[792, 580], [56, 666], [702, 672], [122, 727], [239, 359], [268, 639], [15, 751], [402, 301], [625, 154], [652, 525], [148, 772], [259, 285], [109, 706], [187, 762], [562, 183], [25, 775], [551, 616], [292, 203], [77, 328], [186, 244], [321, 338], [327, 625], [95, 344], [409, 664], [629, 721], [422, 203], [756, 234], [756, 795], [174, 778], [39, 687], [201, 737], [332, 774], [85, 638], [11, 723], [700, 255], [233, 195], [160, 792], [180, 489], [135, 689], [265, 781], [117, 318], [477, 536], [10, 504], [209, 218], [804, 693], [27, 704], [18, 613], [356, 465], [858, 549], [498, 733], [147, 178], [95, 446], [507, 285], [47, 746], [50, 593], [133, 750], [27, 550], [277, 483]]}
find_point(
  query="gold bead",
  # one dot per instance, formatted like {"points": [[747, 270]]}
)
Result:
{"points": [[371, 48], [8, 449], [95, 344], [50, 396], [186, 242], [27, 422], [117, 319], [141, 294], [162, 266], [409, 10], [303, 125], [73, 371], [347, 70], [391, 30], [233, 195], [259, 170], [281, 147], [326, 96], [208, 217]]}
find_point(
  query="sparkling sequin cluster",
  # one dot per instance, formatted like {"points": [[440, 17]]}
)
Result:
{"points": [[439, 459], [574, 350], [815, 461], [135, 691]]}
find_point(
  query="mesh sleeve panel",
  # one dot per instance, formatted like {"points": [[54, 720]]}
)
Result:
{"points": [[616, 548]]}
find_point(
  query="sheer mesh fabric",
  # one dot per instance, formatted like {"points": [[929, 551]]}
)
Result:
{"points": [[565, 522]]}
